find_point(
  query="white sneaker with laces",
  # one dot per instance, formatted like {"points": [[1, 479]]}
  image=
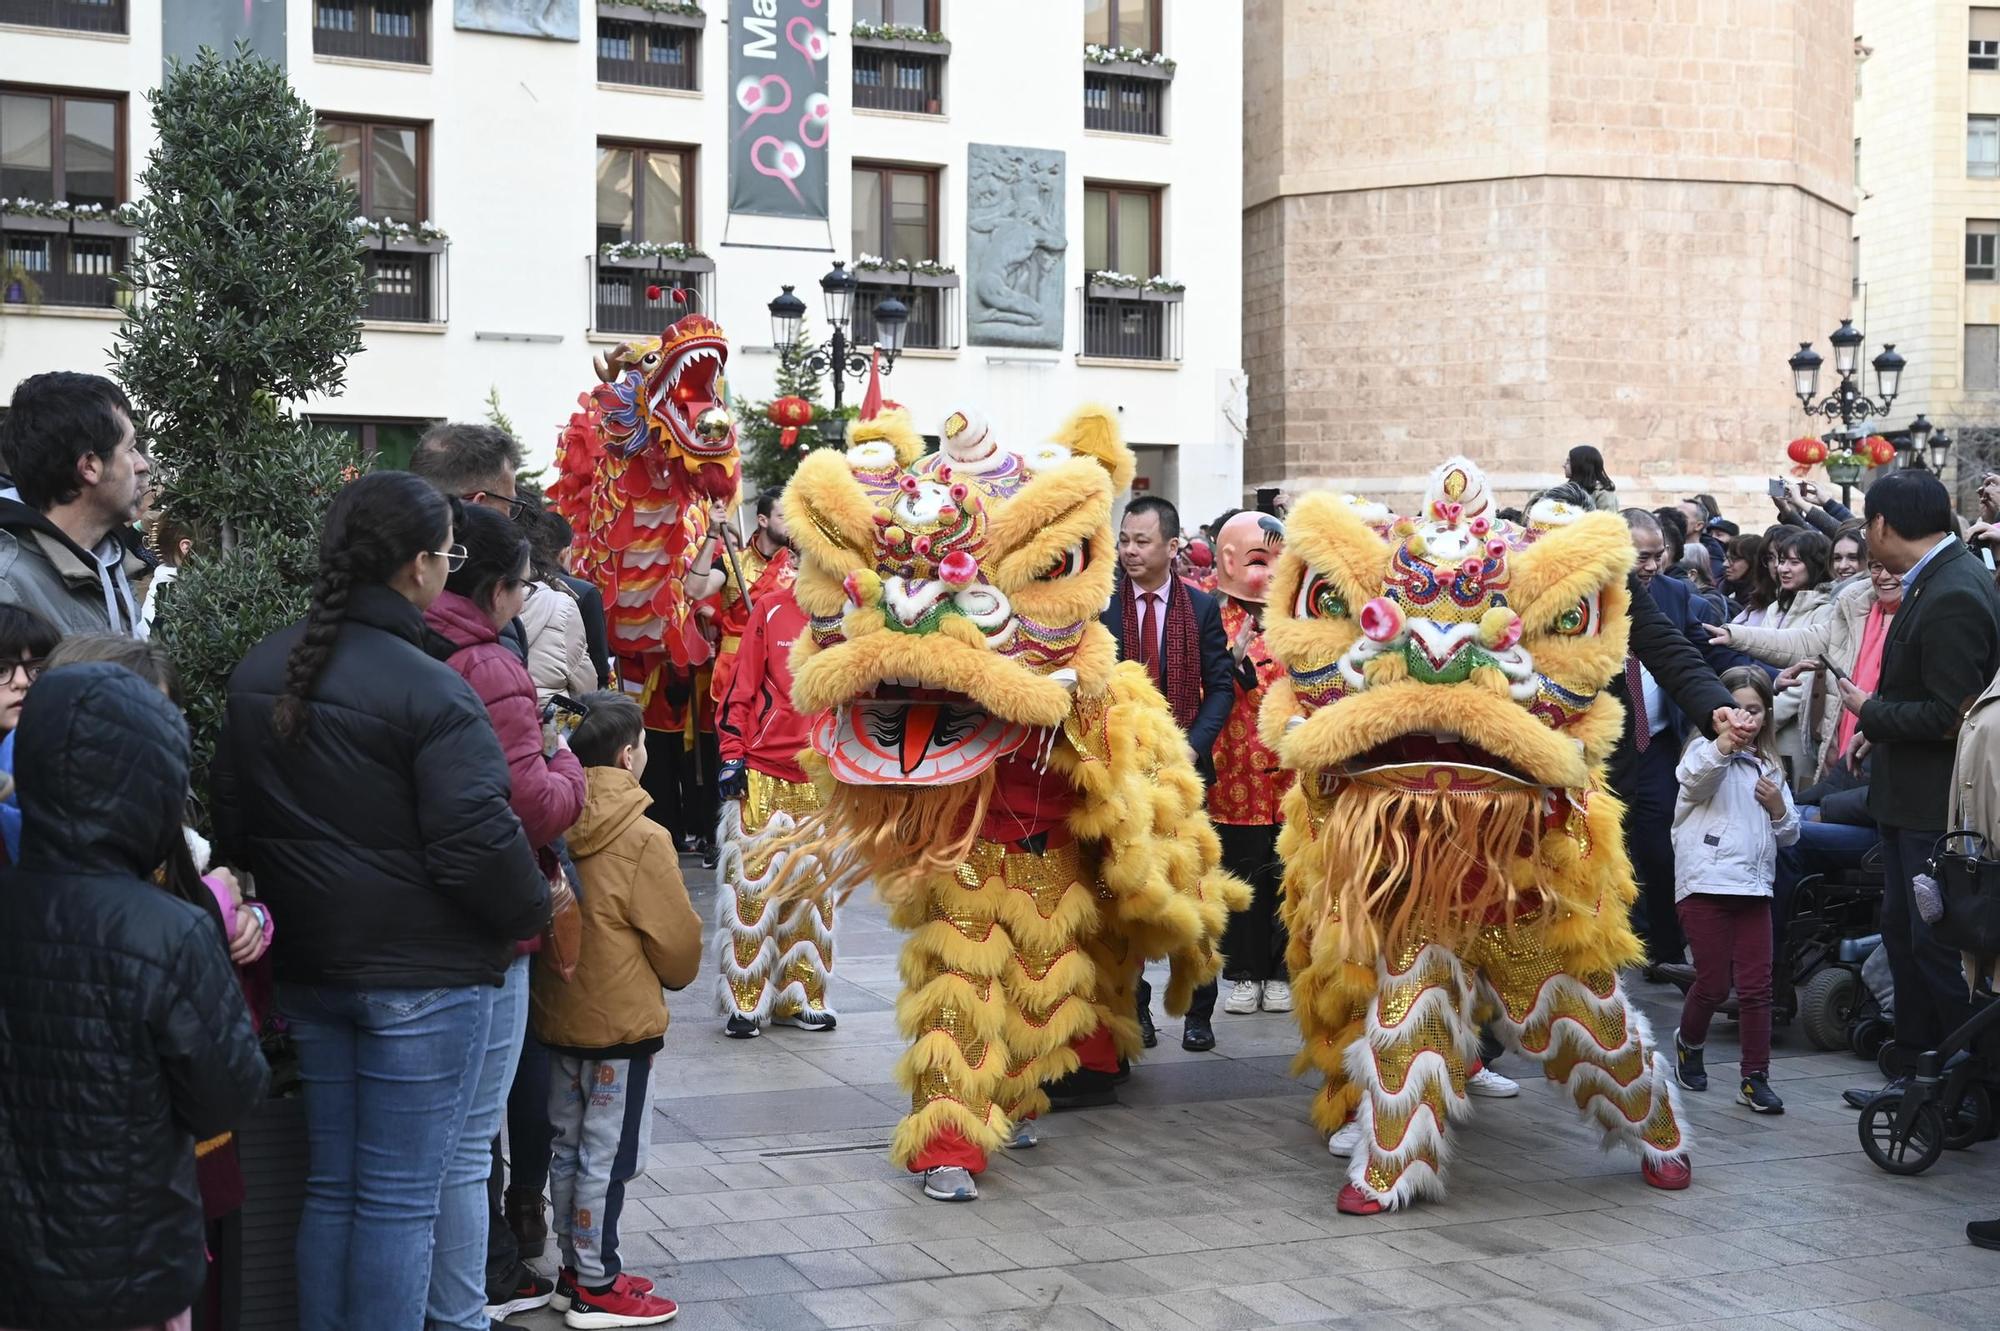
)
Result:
{"points": [[1277, 996], [1025, 1136], [1343, 1142], [949, 1183], [1492, 1085], [1243, 997]]}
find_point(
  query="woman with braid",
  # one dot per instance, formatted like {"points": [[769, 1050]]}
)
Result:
{"points": [[362, 784]]}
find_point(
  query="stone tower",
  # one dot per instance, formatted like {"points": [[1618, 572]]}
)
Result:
{"points": [[1512, 227]]}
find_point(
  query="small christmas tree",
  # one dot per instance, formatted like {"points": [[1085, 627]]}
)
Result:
{"points": [[248, 291], [767, 463]]}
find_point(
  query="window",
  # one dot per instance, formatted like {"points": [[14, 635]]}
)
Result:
{"points": [[389, 442], [644, 193], [1122, 23], [1854, 260], [1121, 229], [394, 30], [61, 147], [895, 211], [385, 163], [1857, 164], [1982, 146], [76, 15], [1983, 49], [898, 13], [1982, 358], [1982, 249], [647, 55]]}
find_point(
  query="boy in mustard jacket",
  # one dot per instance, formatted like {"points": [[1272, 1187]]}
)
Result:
{"points": [[604, 1025]]}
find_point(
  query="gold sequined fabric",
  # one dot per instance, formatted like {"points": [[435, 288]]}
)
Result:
{"points": [[766, 795]]}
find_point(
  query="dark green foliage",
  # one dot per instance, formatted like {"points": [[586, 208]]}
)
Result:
{"points": [[767, 465], [248, 291]]}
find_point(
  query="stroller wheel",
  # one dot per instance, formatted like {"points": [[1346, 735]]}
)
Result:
{"points": [[1870, 1034], [1896, 1061], [1826, 1006], [1970, 1123], [1897, 1154]]}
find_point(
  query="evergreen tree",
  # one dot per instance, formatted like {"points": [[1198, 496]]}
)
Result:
{"points": [[767, 463], [248, 291]]}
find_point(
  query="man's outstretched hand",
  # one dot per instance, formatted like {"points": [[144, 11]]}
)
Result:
{"points": [[1737, 723]]}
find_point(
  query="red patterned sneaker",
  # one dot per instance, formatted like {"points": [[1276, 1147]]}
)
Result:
{"points": [[1355, 1202], [624, 1303], [1669, 1175], [566, 1288]]}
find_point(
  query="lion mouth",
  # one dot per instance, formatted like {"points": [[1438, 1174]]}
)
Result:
{"points": [[908, 734], [1443, 761], [687, 389]]}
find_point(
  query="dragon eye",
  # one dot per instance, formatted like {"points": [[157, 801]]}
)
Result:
{"points": [[1320, 599], [1072, 561], [1577, 621]]}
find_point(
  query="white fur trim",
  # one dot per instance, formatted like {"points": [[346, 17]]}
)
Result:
{"points": [[773, 924], [1429, 1071]]}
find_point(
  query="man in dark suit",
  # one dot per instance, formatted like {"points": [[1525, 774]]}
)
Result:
{"points": [[1943, 651], [1175, 631]]}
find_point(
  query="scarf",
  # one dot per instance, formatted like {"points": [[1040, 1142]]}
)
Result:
{"points": [[1180, 647], [1867, 674]]}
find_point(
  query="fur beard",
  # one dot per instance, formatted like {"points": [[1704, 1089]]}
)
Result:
{"points": [[899, 837]]}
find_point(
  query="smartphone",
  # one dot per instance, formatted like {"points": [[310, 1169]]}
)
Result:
{"points": [[1777, 488], [1826, 664], [565, 712]]}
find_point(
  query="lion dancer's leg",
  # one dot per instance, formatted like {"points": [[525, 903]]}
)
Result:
{"points": [[1590, 1040], [1410, 1075], [956, 1012], [772, 960], [1330, 995], [1055, 1019]]}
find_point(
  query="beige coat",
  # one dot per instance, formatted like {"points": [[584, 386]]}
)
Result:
{"points": [[1835, 632], [558, 651], [1975, 787], [1797, 741]]}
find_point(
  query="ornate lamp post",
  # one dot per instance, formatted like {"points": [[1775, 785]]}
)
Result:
{"points": [[837, 356], [1846, 403]]}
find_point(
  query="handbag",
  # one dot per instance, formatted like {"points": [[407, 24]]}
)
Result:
{"points": [[1969, 881], [562, 936]]}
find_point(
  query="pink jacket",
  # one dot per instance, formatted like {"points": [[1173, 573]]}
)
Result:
{"points": [[547, 793]]}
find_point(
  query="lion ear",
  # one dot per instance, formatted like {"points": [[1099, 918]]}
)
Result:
{"points": [[893, 427], [1093, 432], [1330, 533], [832, 519]]}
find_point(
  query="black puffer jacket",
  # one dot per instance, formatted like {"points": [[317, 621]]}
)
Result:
{"points": [[382, 838], [122, 1029]]}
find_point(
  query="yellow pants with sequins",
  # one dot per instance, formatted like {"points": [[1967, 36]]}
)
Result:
{"points": [[771, 961]]}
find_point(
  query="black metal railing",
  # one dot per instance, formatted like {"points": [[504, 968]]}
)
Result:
{"points": [[54, 269], [391, 30], [622, 302], [887, 80], [646, 55], [933, 324], [76, 15], [1130, 328], [1123, 105], [404, 286]]}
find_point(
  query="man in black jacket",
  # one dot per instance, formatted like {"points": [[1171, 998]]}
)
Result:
{"points": [[122, 1026], [1942, 652]]}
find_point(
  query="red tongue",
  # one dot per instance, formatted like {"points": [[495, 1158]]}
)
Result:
{"points": [[919, 724]]}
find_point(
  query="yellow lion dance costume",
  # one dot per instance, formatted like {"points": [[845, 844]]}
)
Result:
{"points": [[1023, 803], [1450, 848]]}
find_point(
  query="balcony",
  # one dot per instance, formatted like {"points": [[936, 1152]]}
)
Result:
{"points": [[74, 265], [933, 302], [1131, 323], [406, 282], [644, 48], [75, 15], [395, 31], [1126, 96], [622, 298], [900, 74]]}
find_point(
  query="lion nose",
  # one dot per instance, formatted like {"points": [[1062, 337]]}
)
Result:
{"points": [[915, 602]]}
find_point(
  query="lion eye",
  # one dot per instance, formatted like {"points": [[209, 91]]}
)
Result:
{"points": [[1577, 621], [1072, 561], [1320, 599]]}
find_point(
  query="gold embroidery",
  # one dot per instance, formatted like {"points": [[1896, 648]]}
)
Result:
{"points": [[766, 795]]}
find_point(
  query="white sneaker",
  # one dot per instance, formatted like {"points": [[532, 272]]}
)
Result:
{"points": [[1342, 1143], [1277, 996], [1025, 1136], [1492, 1085], [949, 1183], [1243, 997]]}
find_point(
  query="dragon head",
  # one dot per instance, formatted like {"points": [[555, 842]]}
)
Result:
{"points": [[954, 595], [667, 393], [1449, 652]]}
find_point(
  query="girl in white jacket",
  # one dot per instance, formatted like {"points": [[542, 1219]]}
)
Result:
{"points": [[1733, 813]]}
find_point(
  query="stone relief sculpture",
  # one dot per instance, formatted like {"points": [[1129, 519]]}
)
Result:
{"points": [[519, 18], [1014, 246]]}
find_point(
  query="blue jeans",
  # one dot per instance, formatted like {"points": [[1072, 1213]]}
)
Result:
{"points": [[388, 1077], [458, 1251]]}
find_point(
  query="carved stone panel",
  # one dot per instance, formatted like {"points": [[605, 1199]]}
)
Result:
{"points": [[519, 18], [1014, 245]]}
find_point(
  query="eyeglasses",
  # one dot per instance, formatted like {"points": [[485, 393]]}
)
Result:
{"points": [[516, 506], [454, 558], [27, 672]]}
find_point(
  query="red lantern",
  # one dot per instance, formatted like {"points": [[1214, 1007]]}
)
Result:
{"points": [[790, 413], [1879, 450], [1806, 451]]}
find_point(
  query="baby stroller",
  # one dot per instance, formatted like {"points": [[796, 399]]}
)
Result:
{"points": [[1948, 1103]]}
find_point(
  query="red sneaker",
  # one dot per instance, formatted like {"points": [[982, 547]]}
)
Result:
{"points": [[1355, 1202], [566, 1288], [1670, 1175], [624, 1304]]}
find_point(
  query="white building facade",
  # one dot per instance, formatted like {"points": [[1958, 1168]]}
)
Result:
{"points": [[530, 153]]}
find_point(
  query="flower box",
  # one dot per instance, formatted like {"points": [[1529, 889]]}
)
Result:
{"points": [[1112, 291], [907, 45], [895, 277], [402, 245], [642, 14], [694, 263], [1131, 69], [100, 228], [26, 222]]}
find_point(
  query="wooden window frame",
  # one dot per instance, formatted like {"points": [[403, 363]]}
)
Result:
{"points": [[368, 125], [686, 152], [1154, 38], [59, 96], [931, 174], [365, 11], [1155, 194], [932, 19], [1982, 230]]}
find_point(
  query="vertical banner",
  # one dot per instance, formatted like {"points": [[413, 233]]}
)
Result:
{"points": [[779, 114], [188, 25]]}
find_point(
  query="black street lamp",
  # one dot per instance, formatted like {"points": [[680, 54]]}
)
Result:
{"points": [[1846, 403], [837, 356], [1925, 448]]}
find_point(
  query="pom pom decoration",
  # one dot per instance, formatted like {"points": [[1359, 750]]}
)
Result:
{"points": [[791, 413]]}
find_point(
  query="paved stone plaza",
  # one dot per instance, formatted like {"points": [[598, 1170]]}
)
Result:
{"points": [[1205, 1200]]}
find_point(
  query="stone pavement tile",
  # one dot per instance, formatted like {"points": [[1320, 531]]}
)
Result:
{"points": [[1142, 1315], [1050, 1285], [824, 1233], [1339, 1256], [1276, 1303], [839, 1308], [677, 1211], [1057, 1317], [1211, 1310], [967, 1257], [689, 1282], [1160, 1237], [882, 1195], [708, 1243], [837, 1269], [1752, 1293], [1092, 1244], [767, 1312], [1567, 1268], [901, 1261], [841, 1167], [1391, 1289], [679, 1155], [766, 1275], [950, 1297], [1030, 1250], [936, 1221]]}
